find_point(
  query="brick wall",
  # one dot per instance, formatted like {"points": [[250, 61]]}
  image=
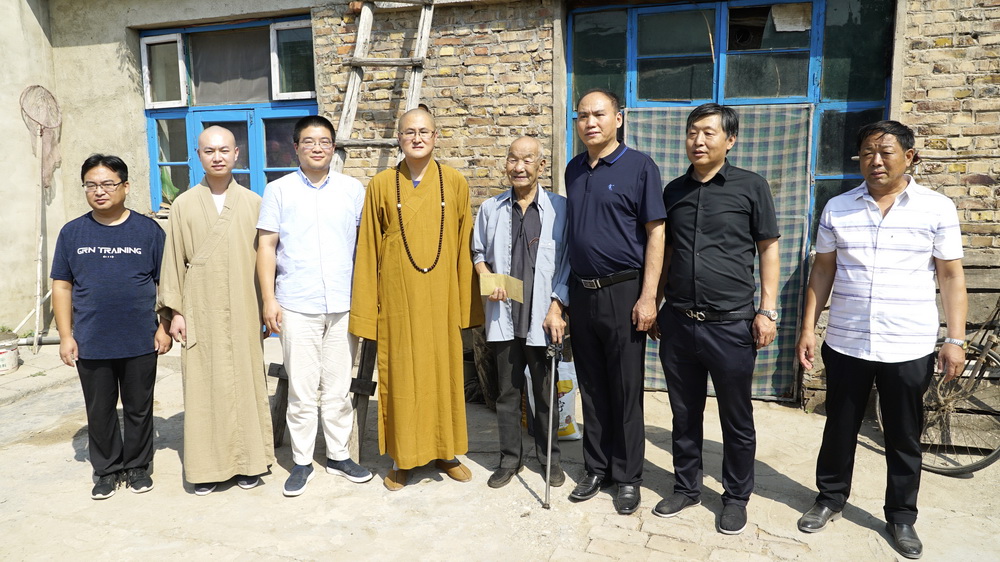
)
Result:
{"points": [[488, 80]]}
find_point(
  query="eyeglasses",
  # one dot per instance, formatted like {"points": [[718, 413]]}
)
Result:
{"points": [[325, 144], [108, 186], [410, 134]]}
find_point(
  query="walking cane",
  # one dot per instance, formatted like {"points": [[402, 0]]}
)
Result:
{"points": [[554, 351]]}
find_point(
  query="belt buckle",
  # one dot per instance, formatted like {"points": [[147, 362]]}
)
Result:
{"points": [[696, 315], [590, 283]]}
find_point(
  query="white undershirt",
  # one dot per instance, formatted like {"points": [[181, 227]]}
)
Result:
{"points": [[219, 199]]}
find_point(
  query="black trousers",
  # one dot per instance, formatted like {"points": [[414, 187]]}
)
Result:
{"points": [[901, 388], [608, 353], [512, 358], [690, 351], [102, 381]]}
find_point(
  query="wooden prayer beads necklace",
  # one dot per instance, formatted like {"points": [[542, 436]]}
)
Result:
{"points": [[399, 212]]}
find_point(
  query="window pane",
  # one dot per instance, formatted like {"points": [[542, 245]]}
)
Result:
{"points": [[242, 178], [231, 66], [172, 139], [599, 52], [271, 176], [781, 26], [685, 78], [857, 49], [279, 153], [164, 72], [838, 140], [826, 190], [174, 180], [295, 60], [239, 130], [676, 33], [767, 76]]}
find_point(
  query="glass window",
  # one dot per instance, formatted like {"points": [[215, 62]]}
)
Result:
{"points": [[762, 75], [838, 140], [782, 26], [292, 61], [174, 180], [599, 47], [857, 49], [676, 55], [173, 156], [230, 66], [164, 75], [826, 190], [279, 150]]}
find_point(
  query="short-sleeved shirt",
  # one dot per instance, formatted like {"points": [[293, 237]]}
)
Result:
{"points": [[609, 207], [317, 228], [883, 303], [713, 229], [114, 271], [525, 231]]}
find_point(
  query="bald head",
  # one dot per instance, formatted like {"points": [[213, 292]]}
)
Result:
{"points": [[527, 145], [218, 152], [525, 162], [418, 114]]}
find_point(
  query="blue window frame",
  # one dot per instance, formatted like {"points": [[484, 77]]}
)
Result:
{"points": [[263, 129], [834, 56]]}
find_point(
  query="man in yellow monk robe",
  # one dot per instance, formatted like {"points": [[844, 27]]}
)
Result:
{"points": [[209, 293], [413, 291]]}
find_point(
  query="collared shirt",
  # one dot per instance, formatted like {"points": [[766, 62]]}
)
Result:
{"points": [[317, 228], [525, 229], [713, 229], [883, 307], [491, 243], [609, 207]]}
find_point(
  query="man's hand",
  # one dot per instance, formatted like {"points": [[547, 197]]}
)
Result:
{"points": [[764, 330], [178, 328], [498, 294], [644, 314], [161, 340], [951, 360], [554, 324], [806, 349], [272, 317], [68, 351]]}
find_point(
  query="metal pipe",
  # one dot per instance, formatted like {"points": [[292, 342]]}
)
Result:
{"points": [[44, 340]]}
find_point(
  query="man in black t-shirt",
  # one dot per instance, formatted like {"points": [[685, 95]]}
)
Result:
{"points": [[718, 217], [104, 275]]}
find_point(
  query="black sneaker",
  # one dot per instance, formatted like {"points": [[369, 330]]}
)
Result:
{"points": [[349, 469], [247, 482], [138, 479], [733, 520], [106, 486], [205, 488], [674, 504]]}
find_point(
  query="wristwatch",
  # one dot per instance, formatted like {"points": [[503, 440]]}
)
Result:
{"points": [[770, 314], [960, 343]]}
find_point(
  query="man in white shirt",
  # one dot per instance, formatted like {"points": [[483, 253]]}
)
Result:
{"points": [[305, 261], [879, 248]]}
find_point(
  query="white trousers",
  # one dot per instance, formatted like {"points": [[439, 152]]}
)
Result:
{"points": [[319, 357]]}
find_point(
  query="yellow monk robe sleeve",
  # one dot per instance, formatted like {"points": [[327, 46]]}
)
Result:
{"points": [[364, 292], [470, 302], [173, 267]]}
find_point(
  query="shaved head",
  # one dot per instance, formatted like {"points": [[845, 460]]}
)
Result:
{"points": [[216, 135], [529, 145], [413, 113]]}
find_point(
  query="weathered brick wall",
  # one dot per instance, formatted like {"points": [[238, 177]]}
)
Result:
{"points": [[488, 80]]}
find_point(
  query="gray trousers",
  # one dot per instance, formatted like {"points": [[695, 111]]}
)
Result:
{"points": [[512, 358]]}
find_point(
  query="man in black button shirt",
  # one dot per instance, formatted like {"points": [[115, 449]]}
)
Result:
{"points": [[718, 217], [616, 251]]}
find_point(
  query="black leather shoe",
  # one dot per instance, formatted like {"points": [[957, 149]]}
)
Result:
{"points": [[815, 520], [904, 538], [587, 487], [502, 476], [627, 499]]}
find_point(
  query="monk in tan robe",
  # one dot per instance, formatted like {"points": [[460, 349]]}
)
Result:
{"points": [[209, 293], [413, 291]]}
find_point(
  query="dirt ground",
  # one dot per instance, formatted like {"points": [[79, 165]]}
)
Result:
{"points": [[46, 511]]}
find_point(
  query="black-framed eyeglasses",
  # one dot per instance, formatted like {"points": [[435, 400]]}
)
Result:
{"points": [[108, 186]]}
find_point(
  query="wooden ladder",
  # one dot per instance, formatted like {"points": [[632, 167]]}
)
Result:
{"points": [[361, 60]]}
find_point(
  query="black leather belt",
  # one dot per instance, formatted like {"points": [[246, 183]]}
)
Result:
{"points": [[602, 282], [711, 316]]}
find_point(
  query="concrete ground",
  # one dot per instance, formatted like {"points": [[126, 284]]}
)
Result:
{"points": [[46, 511]]}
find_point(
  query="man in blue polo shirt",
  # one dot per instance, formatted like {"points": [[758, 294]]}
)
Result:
{"points": [[308, 228], [616, 218]]}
